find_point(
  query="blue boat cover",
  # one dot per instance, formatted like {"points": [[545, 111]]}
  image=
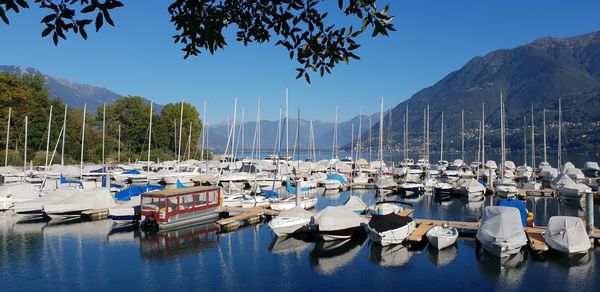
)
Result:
{"points": [[132, 191], [292, 189], [63, 180], [133, 171], [516, 204], [180, 185], [338, 177], [270, 194]]}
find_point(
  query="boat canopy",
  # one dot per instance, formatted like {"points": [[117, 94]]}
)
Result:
{"points": [[382, 223], [355, 204], [132, 191], [296, 212], [133, 171], [336, 218], [591, 165], [502, 225], [567, 234], [338, 177]]}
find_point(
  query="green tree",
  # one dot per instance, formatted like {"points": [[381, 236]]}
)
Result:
{"points": [[299, 26], [166, 133], [132, 113]]}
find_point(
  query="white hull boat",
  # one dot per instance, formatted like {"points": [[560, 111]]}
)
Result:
{"points": [[335, 223], [501, 231], [390, 229], [442, 237], [567, 235], [290, 221]]}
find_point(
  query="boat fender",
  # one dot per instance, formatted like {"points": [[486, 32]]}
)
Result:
{"points": [[530, 222], [379, 210]]}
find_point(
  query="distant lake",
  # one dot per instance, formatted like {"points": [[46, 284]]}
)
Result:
{"points": [[42, 255]]}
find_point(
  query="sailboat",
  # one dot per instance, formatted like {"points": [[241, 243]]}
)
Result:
{"points": [[505, 186], [383, 181]]}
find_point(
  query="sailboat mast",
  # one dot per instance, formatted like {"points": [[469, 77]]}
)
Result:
{"points": [[287, 125], [479, 151], [532, 139], [352, 143], [544, 121], [103, 130], [559, 134], [483, 132], [8, 138], [462, 133], [428, 141], [48, 140], [381, 136], [203, 133], [82, 141], [525, 141], [278, 138], [359, 146], [150, 134], [180, 131], [442, 139], [25, 146], [62, 150], [119, 145], [502, 132], [424, 133], [370, 140]]}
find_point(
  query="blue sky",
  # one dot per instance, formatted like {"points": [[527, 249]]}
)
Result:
{"points": [[433, 38]]}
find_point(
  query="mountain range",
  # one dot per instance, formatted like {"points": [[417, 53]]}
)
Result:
{"points": [[72, 93], [535, 75]]}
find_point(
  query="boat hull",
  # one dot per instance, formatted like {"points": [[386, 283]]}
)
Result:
{"points": [[394, 236]]}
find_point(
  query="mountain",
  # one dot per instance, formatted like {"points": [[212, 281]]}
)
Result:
{"points": [[72, 93], [535, 74], [323, 133]]}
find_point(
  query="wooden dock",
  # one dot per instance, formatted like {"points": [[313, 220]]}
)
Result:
{"points": [[95, 214], [544, 192], [246, 216], [535, 236], [419, 234]]}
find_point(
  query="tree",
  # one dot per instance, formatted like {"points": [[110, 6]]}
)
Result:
{"points": [[133, 114], [299, 26], [167, 134]]}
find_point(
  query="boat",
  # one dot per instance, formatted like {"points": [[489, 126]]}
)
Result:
{"points": [[336, 222], [442, 190], [233, 200], [567, 235], [519, 205], [411, 188], [306, 202], [390, 228], [176, 207], [387, 207], [501, 231], [385, 182], [473, 190], [16, 192], [591, 169], [136, 190], [127, 212], [290, 221], [334, 181], [35, 207], [569, 189], [442, 236], [356, 204], [80, 201], [505, 187]]}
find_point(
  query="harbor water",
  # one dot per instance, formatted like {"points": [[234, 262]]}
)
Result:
{"points": [[93, 255]]}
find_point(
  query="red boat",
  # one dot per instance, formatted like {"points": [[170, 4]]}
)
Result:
{"points": [[176, 207]]}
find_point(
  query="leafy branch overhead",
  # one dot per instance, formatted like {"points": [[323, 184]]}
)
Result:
{"points": [[299, 26]]}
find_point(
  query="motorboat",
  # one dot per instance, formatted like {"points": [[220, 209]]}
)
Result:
{"points": [[473, 190], [16, 192], [291, 221], [387, 207], [337, 222], [356, 204], [567, 235], [385, 182], [442, 236], [233, 200], [255, 200], [80, 201], [334, 181], [501, 231], [591, 169], [411, 188], [35, 207], [306, 202], [569, 189], [442, 190], [390, 228], [505, 187], [127, 212]]}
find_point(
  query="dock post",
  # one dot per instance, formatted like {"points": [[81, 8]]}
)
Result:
{"points": [[589, 211], [298, 186]]}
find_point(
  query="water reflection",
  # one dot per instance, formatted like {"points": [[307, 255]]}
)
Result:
{"points": [[78, 228], [329, 256], [389, 256], [442, 257], [507, 270], [177, 242], [292, 244]]}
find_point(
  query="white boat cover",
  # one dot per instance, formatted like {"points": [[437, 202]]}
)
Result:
{"points": [[8, 170], [82, 200], [567, 234], [502, 225], [473, 185], [18, 191], [562, 180], [575, 173], [336, 218], [510, 165], [355, 203], [491, 164], [38, 203], [568, 166], [591, 165], [296, 212], [548, 172]]}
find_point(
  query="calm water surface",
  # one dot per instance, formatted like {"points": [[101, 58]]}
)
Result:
{"points": [[94, 256]]}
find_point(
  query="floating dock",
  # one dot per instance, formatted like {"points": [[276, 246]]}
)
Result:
{"points": [[245, 216]]}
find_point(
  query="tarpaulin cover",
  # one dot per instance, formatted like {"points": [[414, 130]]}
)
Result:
{"points": [[501, 226], [132, 191], [382, 223], [520, 205], [336, 218], [567, 234]]}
